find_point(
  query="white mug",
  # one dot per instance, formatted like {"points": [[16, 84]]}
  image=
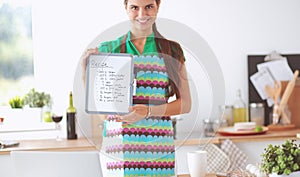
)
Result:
{"points": [[197, 163]]}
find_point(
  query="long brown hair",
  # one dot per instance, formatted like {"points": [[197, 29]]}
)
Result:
{"points": [[173, 57]]}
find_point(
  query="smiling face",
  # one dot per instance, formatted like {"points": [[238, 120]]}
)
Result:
{"points": [[142, 14]]}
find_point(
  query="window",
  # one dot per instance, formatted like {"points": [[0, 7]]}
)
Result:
{"points": [[17, 70], [16, 55]]}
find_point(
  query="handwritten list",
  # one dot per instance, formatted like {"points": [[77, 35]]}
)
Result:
{"points": [[111, 77], [108, 85]]}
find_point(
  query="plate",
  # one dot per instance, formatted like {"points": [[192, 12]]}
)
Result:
{"points": [[231, 131]]}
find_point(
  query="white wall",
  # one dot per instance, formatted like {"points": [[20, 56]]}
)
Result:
{"points": [[233, 29]]}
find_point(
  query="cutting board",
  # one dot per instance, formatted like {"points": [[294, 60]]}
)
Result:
{"points": [[294, 102]]}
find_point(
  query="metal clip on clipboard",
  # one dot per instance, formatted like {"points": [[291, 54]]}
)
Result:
{"points": [[273, 56], [134, 85]]}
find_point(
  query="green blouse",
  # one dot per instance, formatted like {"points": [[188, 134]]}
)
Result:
{"points": [[115, 46]]}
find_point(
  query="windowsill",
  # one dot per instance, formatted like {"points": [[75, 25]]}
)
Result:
{"points": [[24, 123], [41, 126]]}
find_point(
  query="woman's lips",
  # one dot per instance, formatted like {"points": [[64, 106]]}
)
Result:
{"points": [[143, 21]]}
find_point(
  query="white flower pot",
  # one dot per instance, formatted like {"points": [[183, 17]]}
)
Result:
{"points": [[294, 174], [23, 116]]}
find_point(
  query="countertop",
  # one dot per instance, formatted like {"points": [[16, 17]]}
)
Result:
{"points": [[81, 144], [84, 144], [187, 175]]}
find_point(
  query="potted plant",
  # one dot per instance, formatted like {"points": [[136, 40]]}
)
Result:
{"points": [[16, 102], [39, 100], [282, 160]]}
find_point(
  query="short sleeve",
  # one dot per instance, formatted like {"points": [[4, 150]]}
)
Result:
{"points": [[105, 47], [111, 46]]}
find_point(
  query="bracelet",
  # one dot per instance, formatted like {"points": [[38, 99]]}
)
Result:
{"points": [[148, 113]]}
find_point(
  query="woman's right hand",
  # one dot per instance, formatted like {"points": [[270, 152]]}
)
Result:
{"points": [[84, 61]]}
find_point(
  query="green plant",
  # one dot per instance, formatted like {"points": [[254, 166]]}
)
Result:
{"points": [[281, 159], [37, 99], [16, 102]]}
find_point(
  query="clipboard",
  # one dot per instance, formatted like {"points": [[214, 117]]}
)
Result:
{"points": [[253, 61], [109, 83]]}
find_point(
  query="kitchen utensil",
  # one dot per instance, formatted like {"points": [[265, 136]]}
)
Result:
{"points": [[277, 90], [270, 92], [287, 93], [274, 94]]}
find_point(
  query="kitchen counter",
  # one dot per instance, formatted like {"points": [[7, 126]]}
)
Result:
{"points": [[187, 175], [81, 144], [84, 144], [252, 145]]}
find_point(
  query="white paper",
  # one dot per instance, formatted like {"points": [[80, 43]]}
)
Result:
{"points": [[260, 80], [109, 83], [279, 69]]}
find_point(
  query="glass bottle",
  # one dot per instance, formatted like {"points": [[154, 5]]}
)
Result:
{"points": [[239, 109], [71, 116]]}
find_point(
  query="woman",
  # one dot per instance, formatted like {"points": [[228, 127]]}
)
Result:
{"points": [[147, 144]]}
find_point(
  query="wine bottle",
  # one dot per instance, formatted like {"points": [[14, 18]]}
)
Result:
{"points": [[239, 109], [71, 119]]}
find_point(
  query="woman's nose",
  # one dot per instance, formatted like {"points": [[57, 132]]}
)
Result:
{"points": [[142, 13]]}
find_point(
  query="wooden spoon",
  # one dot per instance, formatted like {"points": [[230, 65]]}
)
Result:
{"points": [[270, 92], [287, 93], [277, 90], [274, 94]]}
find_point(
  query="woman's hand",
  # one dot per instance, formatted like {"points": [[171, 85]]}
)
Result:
{"points": [[84, 60], [137, 113]]}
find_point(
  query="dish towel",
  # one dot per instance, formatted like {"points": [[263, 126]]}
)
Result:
{"points": [[237, 157], [217, 160]]}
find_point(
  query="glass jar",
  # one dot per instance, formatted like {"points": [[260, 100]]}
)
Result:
{"points": [[257, 113], [209, 128], [226, 114]]}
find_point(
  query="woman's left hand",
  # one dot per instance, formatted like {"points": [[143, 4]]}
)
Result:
{"points": [[137, 113]]}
